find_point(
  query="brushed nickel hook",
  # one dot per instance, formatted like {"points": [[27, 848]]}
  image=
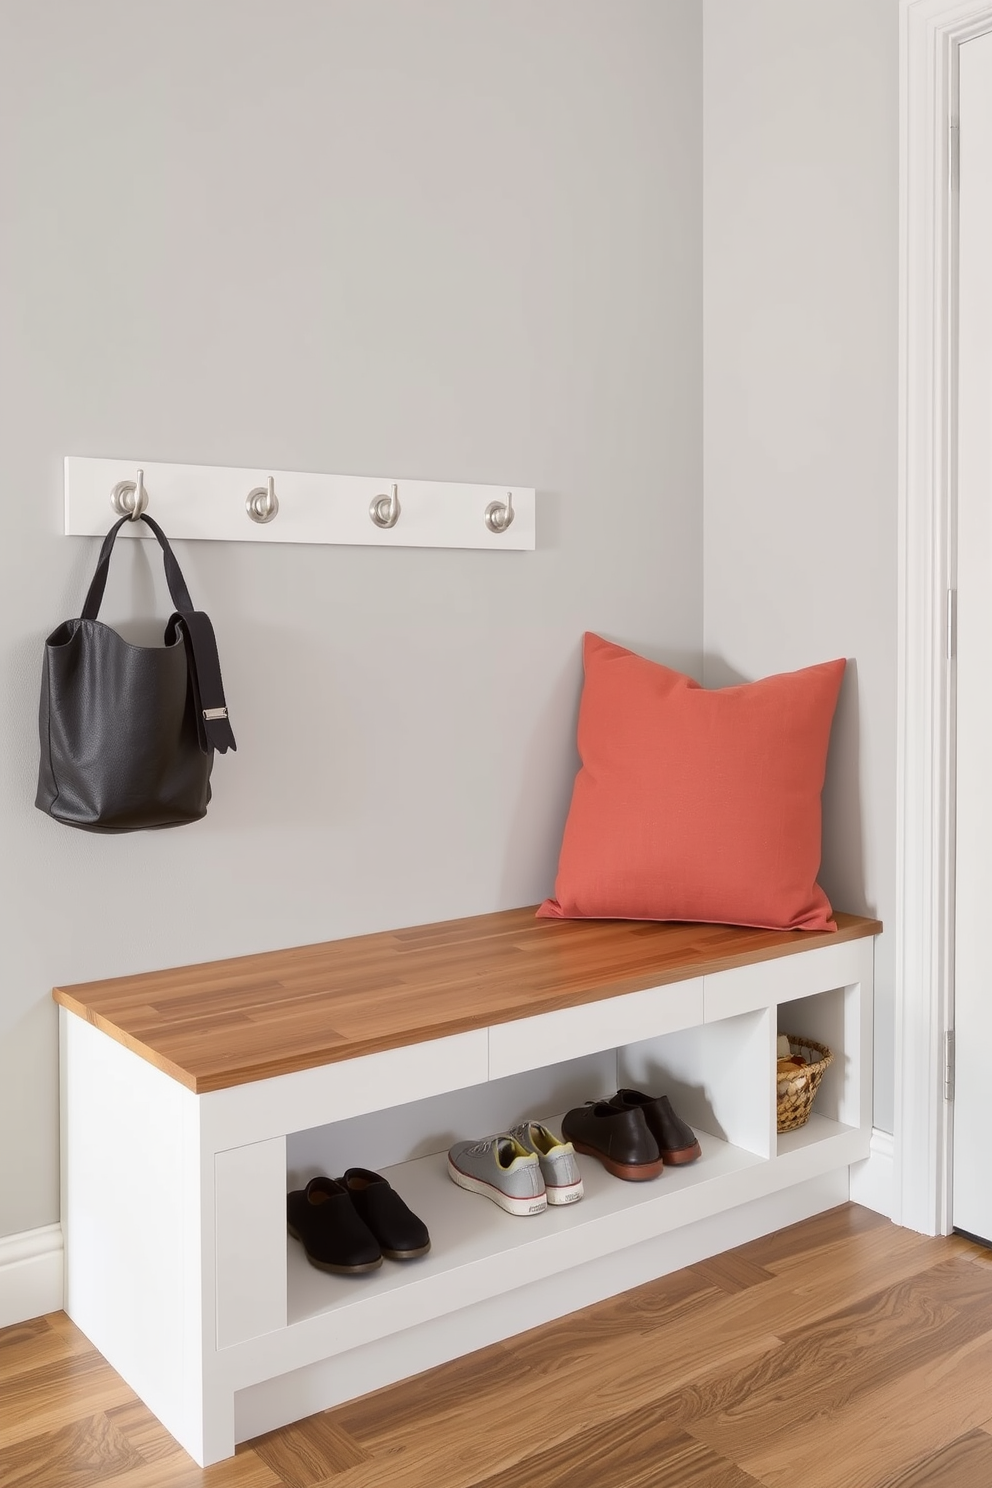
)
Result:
{"points": [[129, 498], [385, 510], [262, 503], [500, 514]]}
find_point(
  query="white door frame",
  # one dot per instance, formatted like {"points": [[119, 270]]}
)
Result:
{"points": [[931, 31]]}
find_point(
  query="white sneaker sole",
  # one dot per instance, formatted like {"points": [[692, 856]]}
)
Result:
{"points": [[567, 1194], [533, 1205]]}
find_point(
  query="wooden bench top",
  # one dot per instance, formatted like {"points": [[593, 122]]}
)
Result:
{"points": [[226, 1023]]}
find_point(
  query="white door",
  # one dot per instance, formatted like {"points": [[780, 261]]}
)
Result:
{"points": [[972, 1176]]}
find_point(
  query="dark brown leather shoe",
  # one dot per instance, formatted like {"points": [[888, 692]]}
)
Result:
{"points": [[676, 1142], [620, 1139]]}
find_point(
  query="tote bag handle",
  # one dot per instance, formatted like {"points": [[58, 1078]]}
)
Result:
{"points": [[195, 629], [173, 573]]}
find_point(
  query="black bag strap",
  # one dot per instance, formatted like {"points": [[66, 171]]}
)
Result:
{"points": [[197, 632], [212, 723], [173, 573]]}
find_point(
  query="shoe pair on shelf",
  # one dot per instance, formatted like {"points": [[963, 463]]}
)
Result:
{"points": [[523, 1170], [348, 1224], [633, 1135]]}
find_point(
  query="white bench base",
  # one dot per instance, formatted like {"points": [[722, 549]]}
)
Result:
{"points": [[180, 1271]]}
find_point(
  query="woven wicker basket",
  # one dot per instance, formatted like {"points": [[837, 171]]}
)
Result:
{"points": [[795, 1094]]}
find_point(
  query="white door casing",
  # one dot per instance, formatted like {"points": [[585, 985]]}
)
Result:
{"points": [[971, 1205], [931, 33]]}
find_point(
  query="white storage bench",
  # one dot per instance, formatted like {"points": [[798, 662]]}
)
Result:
{"points": [[193, 1099]]}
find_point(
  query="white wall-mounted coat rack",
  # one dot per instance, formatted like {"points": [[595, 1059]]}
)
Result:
{"points": [[252, 505]]}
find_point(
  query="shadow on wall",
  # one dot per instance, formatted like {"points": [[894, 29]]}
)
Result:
{"points": [[544, 792], [843, 862], [842, 868]]}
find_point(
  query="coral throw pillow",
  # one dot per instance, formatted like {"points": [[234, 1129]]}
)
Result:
{"points": [[696, 804]]}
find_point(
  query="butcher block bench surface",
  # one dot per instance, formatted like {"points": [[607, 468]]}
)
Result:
{"points": [[225, 1023]]}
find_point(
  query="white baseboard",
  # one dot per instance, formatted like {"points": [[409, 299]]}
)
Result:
{"points": [[873, 1181], [30, 1274]]}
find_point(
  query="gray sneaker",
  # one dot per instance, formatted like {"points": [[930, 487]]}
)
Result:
{"points": [[500, 1169], [557, 1158]]}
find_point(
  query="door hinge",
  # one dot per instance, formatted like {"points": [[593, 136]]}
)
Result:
{"points": [[951, 624], [949, 1065], [953, 155]]}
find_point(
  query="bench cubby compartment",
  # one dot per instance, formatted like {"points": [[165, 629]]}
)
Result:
{"points": [[399, 1134], [716, 1074]]}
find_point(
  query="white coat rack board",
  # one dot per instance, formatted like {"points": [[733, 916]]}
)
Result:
{"points": [[225, 504]]}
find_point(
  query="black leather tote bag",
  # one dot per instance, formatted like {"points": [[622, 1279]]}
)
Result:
{"points": [[128, 733]]}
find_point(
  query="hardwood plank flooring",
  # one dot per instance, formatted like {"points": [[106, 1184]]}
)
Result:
{"points": [[81, 1454], [840, 1353], [309, 1452], [963, 1463]]}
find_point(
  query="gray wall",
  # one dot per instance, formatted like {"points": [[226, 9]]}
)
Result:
{"points": [[450, 240], [800, 348]]}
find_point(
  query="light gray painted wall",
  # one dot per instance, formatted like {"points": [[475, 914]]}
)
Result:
{"points": [[451, 240], [800, 383]]}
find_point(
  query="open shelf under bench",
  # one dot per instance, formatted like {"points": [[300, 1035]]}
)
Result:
{"points": [[193, 1098]]}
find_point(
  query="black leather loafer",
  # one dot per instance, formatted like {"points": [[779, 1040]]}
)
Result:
{"points": [[676, 1142], [400, 1234], [620, 1139], [330, 1229]]}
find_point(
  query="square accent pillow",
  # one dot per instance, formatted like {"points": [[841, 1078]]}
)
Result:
{"points": [[693, 803]]}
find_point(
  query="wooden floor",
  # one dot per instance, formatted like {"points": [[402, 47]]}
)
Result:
{"points": [[840, 1353]]}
